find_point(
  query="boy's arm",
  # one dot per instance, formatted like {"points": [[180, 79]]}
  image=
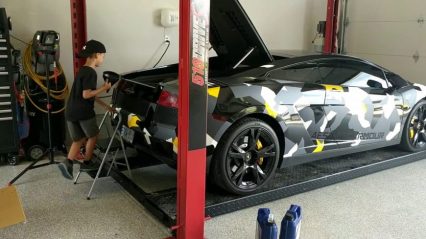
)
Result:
{"points": [[87, 94], [103, 104]]}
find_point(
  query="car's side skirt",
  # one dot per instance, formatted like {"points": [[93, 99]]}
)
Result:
{"points": [[301, 159]]}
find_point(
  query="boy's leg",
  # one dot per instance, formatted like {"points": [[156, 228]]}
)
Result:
{"points": [[90, 146], [91, 131], [75, 149], [80, 155], [88, 163], [77, 136]]}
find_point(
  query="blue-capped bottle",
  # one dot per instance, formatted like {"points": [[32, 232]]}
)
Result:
{"points": [[290, 225], [266, 227]]}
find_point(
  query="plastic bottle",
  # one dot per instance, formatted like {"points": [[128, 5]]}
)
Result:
{"points": [[291, 223], [266, 227]]}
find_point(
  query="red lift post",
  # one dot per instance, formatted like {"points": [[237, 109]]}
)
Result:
{"points": [[330, 42], [79, 30], [194, 17], [192, 119]]}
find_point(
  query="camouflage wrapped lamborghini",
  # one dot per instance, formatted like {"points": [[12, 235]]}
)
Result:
{"points": [[274, 110]]}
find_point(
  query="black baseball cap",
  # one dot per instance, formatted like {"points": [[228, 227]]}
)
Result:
{"points": [[91, 47]]}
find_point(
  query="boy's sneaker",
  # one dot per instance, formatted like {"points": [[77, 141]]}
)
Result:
{"points": [[66, 168], [89, 165]]}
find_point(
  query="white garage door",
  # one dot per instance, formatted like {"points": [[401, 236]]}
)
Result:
{"points": [[391, 33]]}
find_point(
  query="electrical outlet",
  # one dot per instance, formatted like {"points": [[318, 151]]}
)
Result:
{"points": [[166, 38]]}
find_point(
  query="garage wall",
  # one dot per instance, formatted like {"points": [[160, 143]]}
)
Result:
{"points": [[131, 32], [285, 24], [318, 12], [388, 32], [28, 16], [134, 38]]}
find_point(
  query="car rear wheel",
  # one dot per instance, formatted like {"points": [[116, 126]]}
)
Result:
{"points": [[246, 157], [414, 134]]}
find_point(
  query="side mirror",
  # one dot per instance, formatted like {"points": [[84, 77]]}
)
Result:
{"points": [[374, 84], [111, 77]]}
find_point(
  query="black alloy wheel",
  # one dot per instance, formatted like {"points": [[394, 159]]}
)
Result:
{"points": [[246, 157], [414, 135]]}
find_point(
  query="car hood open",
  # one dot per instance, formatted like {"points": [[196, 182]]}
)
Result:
{"points": [[233, 35]]}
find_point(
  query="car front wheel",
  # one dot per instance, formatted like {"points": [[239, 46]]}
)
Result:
{"points": [[414, 134], [246, 157]]}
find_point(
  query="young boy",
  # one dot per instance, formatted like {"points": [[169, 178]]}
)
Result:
{"points": [[79, 113]]}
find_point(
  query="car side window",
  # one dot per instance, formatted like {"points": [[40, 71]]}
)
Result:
{"points": [[306, 72], [396, 80], [351, 73]]}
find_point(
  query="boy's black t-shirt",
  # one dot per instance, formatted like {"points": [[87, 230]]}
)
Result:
{"points": [[79, 108]]}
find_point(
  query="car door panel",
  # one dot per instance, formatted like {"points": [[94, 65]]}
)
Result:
{"points": [[364, 111], [307, 123]]}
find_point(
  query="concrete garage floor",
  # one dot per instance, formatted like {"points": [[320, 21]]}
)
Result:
{"points": [[389, 204]]}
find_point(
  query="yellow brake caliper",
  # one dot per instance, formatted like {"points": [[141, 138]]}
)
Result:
{"points": [[411, 133], [259, 146], [414, 125]]}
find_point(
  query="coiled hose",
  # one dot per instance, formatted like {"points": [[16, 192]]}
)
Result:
{"points": [[60, 95]]}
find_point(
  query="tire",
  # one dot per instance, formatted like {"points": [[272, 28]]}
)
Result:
{"points": [[414, 134], [35, 152], [246, 157]]}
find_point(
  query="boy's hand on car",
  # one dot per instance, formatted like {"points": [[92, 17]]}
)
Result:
{"points": [[107, 85], [110, 109]]}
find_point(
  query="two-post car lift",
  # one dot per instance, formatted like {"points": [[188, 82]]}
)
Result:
{"points": [[193, 76], [185, 207]]}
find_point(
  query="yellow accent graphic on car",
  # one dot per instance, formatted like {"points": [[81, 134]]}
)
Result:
{"points": [[337, 88], [214, 91], [320, 146], [270, 111], [133, 120], [175, 145]]}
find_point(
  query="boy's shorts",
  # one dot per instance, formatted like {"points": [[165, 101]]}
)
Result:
{"points": [[83, 129]]}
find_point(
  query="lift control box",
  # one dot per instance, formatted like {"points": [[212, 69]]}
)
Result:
{"points": [[169, 17]]}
